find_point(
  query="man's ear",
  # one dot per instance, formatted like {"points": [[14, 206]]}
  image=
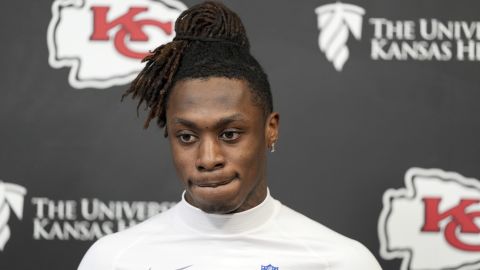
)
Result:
{"points": [[272, 127]]}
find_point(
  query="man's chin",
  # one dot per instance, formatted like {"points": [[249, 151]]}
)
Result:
{"points": [[216, 200]]}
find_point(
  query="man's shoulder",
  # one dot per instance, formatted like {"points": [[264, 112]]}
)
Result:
{"points": [[299, 225], [341, 252], [102, 254]]}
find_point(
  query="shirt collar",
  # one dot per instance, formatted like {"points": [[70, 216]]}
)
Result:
{"points": [[225, 224]]}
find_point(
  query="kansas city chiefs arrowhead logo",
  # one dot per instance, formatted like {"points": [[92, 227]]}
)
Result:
{"points": [[103, 41], [433, 223]]}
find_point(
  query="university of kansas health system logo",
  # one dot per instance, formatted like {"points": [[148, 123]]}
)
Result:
{"points": [[11, 197], [433, 223], [103, 41], [335, 21]]}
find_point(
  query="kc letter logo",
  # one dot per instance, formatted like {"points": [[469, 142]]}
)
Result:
{"points": [[433, 223], [103, 41], [334, 22], [11, 197]]}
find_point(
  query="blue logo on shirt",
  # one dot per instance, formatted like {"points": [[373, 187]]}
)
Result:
{"points": [[269, 267]]}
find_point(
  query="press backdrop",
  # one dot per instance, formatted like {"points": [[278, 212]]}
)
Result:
{"points": [[379, 139]]}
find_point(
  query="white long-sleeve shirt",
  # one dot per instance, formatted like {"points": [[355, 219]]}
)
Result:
{"points": [[269, 236]]}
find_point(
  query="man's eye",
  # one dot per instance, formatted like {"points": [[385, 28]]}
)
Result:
{"points": [[186, 138], [229, 135]]}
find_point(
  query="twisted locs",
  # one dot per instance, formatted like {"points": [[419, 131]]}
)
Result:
{"points": [[209, 21]]}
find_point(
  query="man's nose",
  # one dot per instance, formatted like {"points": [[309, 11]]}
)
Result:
{"points": [[210, 156]]}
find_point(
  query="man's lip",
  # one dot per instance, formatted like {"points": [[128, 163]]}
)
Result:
{"points": [[212, 183]]}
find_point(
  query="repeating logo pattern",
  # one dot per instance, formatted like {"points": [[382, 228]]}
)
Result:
{"points": [[433, 223], [103, 41], [11, 197], [334, 22]]}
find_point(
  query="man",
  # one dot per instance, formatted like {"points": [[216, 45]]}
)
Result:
{"points": [[214, 101]]}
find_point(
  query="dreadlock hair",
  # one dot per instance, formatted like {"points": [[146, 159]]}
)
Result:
{"points": [[210, 41]]}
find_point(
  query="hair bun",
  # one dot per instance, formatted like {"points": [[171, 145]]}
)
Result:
{"points": [[210, 41], [211, 21]]}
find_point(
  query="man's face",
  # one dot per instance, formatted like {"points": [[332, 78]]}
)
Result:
{"points": [[219, 139]]}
